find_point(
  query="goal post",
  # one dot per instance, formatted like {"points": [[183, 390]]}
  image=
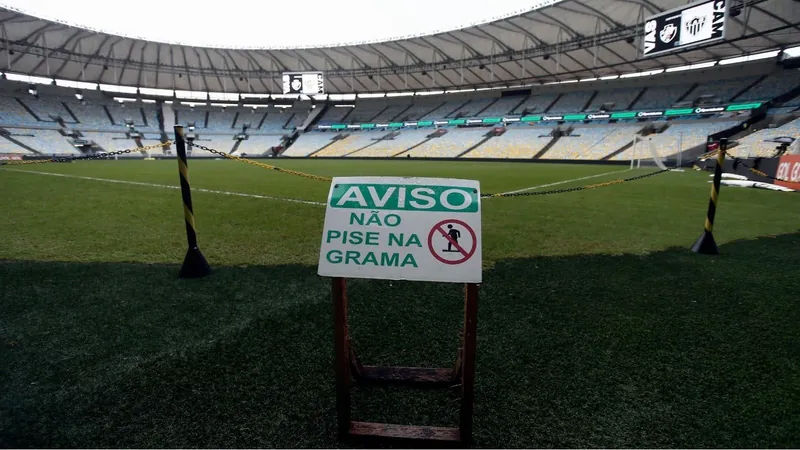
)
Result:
{"points": [[645, 154]]}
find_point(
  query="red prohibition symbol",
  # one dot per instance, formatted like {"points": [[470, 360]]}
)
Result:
{"points": [[439, 229]]}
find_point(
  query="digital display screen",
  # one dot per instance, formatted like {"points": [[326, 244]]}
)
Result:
{"points": [[686, 26], [307, 83]]}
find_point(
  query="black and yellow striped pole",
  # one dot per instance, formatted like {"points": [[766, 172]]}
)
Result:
{"points": [[194, 264], [706, 244]]}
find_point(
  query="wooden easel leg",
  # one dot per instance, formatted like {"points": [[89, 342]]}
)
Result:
{"points": [[342, 356], [468, 362], [347, 365]]}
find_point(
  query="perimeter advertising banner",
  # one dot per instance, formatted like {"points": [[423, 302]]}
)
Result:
{"points": [[789, 169], [694, 24]]}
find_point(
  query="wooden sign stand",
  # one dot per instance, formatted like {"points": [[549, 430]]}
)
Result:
{"points": [[349, 370]]}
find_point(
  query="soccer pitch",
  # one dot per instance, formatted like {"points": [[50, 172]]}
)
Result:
{"points": [[597, 327]]}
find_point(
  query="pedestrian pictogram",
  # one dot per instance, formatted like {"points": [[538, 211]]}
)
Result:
{"points": [[452, 241]]}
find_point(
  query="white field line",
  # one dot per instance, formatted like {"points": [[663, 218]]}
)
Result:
{"points": [[167, 186], [560, 182]]}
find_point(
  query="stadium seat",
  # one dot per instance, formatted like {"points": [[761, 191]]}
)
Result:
{"points": [[753, 145], [449, 145], [516, 142], [401, 142], [308, 143]]}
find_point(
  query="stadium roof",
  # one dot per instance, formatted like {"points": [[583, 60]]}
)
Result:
{"points": [[567, 40]]}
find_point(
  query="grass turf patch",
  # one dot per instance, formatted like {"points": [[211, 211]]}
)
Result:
{"points": [[596, 328]]}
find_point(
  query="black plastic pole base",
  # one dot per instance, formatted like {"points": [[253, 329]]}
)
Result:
{"points": [[194, 264], [706, 244]]}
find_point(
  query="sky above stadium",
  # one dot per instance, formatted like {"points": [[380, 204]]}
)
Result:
{"points": [[271, 23]]}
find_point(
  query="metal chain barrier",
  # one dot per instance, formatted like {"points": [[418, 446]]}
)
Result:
{"points": [[259, 164], [328, 179], [737, 161], [577, 188], [87, 157]]}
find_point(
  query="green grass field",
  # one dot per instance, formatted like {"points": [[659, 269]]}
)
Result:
{"points": [[597, 327]]}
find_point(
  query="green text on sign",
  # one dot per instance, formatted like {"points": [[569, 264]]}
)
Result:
{"points": [[405, 197]]}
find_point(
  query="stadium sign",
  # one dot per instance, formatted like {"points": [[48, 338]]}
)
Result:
{"points": [[307, 83], [392, 228], [715, 109], [568, 117], [687, 26], [650, 113]]}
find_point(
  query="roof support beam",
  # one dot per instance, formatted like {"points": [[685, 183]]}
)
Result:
{"points": [[96, 54], [125, 63], [214, 69], [68, 59], [141, 66]]}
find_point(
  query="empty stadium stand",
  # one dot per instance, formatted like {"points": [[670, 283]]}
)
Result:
{"points": [[44, 124], [756, 144]]}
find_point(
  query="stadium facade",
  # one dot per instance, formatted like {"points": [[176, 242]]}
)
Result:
{"points": [[567, 80]]}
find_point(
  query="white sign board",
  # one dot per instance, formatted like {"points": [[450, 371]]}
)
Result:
{"points": [[420, 229]]}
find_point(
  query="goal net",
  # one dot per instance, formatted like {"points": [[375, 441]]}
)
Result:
{"points": [[646, 154]]}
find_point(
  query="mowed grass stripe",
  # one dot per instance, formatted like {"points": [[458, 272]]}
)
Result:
{"points": [[165, 186]]}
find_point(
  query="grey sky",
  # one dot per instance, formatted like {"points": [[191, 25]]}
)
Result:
{"points": [[270, 23]]}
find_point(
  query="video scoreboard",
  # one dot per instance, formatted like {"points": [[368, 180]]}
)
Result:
{"points": [[308, 83], [687, 26]]}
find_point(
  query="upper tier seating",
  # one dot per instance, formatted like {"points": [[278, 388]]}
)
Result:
{"points": [[185, 116], [12, 113], [473, 107], [47, 107], [571, 102], [723, 91], [421, 107], [92, 115], [502, 107], [536, 103], [621, 98], [393, 112], [221, 119], [661, 97], [334, 115], [445, 110], [365, 111], [772, 86]]}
